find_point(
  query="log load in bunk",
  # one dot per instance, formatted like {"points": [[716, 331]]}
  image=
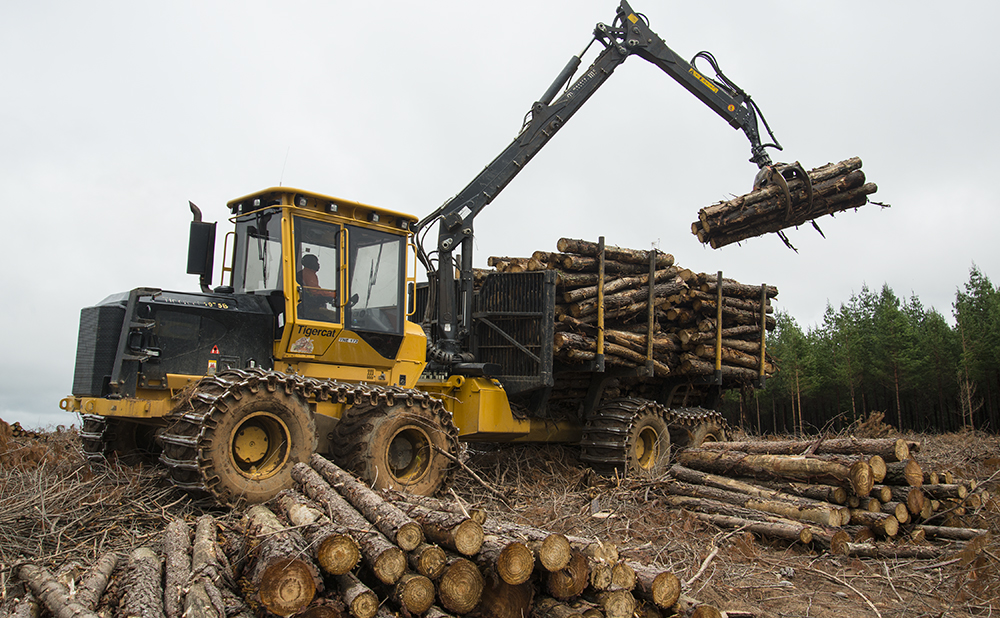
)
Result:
{"points": [[835, 187], [638, 308]]}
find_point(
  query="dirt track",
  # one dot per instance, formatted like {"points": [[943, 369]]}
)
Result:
{"points": [[56, 509]]}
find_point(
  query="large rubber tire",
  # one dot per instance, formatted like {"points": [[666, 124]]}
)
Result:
{"points": [[247, 451], [397, 446], [627, 436], [649, 446], [131, 442], [708, 431]]}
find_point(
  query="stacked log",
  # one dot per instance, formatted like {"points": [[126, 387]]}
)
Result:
{"points": [[273, 565], [835, 187], [651, 313], [822, 492]]}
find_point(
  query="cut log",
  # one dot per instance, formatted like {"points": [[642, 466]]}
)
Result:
{"points": [[952, 533], [142, 587], [414, 593], [661, 587], [883, 524], [177, 566], [617, 603], [56, 598], [387, 517], [95, 581], [897, 510], [461, 586], [387, 561], [203, 598], [780, 467], [788, 532], [798, 508], [886, 550], [551, 608], [284, 575], [451, 530], [436, 504], [359, 598], [571, 581], [429, 560], [502, 600], [945, 491], [513, 561], [620, 254], [907, 472], [332, 546], [823, 493], [553, 552]]}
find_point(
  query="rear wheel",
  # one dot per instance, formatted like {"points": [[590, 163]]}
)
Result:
{"points": [[627, 436], [397, 446]]}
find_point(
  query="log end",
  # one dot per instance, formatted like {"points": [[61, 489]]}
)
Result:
{"points": [[287, 586]]}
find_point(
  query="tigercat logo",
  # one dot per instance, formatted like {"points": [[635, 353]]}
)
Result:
{"points": [[309, 331], [698, 76]]}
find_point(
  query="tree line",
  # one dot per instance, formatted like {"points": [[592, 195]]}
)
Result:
{"points": [[877, 352]]}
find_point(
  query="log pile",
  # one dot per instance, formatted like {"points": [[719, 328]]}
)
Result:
{"points": [[331, 548], [677, 334], [866, 498], [835, 187]]}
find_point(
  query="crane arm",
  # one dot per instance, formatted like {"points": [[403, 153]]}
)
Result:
{"points": [[629, 35]]}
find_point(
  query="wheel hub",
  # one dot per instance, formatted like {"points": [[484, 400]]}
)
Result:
{"points": [[647, 448], [259, 445], [409, 454]]}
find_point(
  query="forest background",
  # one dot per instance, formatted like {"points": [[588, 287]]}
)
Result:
{"points": [[880, 353]]}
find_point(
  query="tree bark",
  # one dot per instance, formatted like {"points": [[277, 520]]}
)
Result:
{"points": [[55, 596], [203, 598], [359, 598], [787, 467], [805, 508], [387, 561], [142, 595], [452, 530], [387, 517], [822, 493], [787, 532], [620, 254], [177, 566], [890, 449], [883, 524], [95, 581]]}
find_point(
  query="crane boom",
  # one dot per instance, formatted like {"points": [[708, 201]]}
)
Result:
{"points": [[630, 35]]}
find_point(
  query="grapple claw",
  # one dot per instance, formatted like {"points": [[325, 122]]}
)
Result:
{"points": [[779, 174]]}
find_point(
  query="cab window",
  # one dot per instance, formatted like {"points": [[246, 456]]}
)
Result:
{"points": [[377, 279], [317, 267]]}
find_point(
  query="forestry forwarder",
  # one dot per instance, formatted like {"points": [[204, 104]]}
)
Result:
{"points": [[309, 349]]}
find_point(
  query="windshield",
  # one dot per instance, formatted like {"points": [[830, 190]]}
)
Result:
{"points": [[377, 279], [258, 251]]}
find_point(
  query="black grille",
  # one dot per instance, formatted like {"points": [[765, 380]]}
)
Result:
{"points": [[514, 319], [96, 347]]}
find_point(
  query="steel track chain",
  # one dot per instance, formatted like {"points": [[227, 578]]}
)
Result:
{"points": [[193, 421], [605, 447]]}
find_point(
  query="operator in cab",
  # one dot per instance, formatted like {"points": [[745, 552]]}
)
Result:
{"points": [[316, 302]]}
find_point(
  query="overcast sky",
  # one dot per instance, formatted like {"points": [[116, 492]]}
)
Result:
{"points": [[115, 114]]}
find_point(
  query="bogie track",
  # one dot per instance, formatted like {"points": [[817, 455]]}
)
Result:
{"points": [[634, 436], [235, 436]]}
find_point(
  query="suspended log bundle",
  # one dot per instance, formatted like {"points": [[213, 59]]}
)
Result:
{"points": [[637, 308], [835, 187]]}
